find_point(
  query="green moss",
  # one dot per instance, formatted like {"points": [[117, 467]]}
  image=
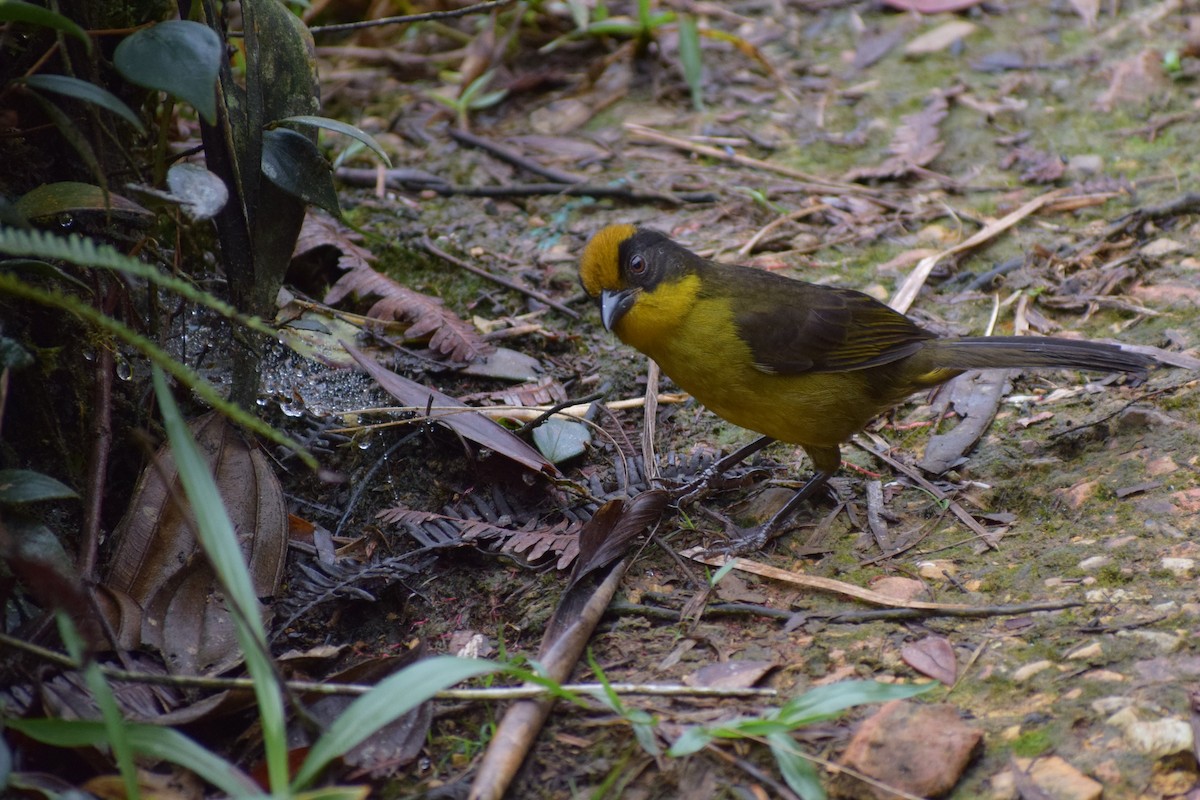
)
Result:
{"points": [[1031, 744]]}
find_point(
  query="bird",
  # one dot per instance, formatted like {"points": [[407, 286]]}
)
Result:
{"points": [[794, 361]]}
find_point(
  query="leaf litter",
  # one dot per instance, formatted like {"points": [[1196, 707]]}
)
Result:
{"points": [[938, 183]]}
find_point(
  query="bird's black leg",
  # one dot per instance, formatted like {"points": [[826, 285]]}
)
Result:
{"points": [[754, 539], [697, 489]]}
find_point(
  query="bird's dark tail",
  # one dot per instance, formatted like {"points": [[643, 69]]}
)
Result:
{"points": [[991, 352]]}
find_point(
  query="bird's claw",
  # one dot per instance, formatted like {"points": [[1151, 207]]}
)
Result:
{"points": [[750, 542]]}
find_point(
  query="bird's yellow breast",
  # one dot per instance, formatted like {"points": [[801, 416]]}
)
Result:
{"points": [[694, 338]]}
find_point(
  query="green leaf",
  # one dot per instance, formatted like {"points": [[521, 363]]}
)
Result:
{"points": [[615, 26], [689, 58], [114, 724], [20, 11], [19, 486], [339, 127], [387, 702], [220, 544], [88, 93], [797, 770], [691, 741], [40, 269], [487, 100], [825, 702], [86, 253], [180, 57], [66, 126], [167, 744], [561, 439], [50, 200], [293, 163]]}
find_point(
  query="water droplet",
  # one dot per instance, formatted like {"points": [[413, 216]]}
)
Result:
{"points": [[122, 368]]}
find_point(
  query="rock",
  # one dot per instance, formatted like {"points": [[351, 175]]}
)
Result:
{"points": [[1160, 641], [920, 749], [897, 588], [1161, 737], [1156, 738], [1056, 778], [1026, 672], [1085, 164], [937, 570], [1075, 496], [1088, 651]]}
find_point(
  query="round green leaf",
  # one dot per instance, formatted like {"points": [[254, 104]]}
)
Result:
{"points": [[88, 93], [561, 439], [292, 162], [180, 57]]}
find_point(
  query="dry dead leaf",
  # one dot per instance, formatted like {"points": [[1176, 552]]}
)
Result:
{"points": [[920, 749], [467, 422], [158, 563], [915, 144], [729, 674], [1135, 82], [940, 38], [934, 657], [427, 316]]}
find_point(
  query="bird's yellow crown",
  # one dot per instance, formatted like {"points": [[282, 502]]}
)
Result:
{"points": [[600, 267]]}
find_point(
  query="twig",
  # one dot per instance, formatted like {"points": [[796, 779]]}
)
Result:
{"points": [[745, 249], [513, 157], [907, 293], [411, 180], [434, 250], [814, 183], [478, 8], [1188, 203], [917, 478], [876, 615], [875, 519], [556, 408], [815, 582], [325, 687], [97, 474]]}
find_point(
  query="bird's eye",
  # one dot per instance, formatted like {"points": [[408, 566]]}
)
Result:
{"points": [[637, 265]]}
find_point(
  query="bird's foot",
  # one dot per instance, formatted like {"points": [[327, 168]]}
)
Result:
{"points": [[696, 489], [713, 476], [741, 541]]}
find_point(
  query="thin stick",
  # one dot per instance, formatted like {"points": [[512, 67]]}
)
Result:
{"points": [[413, 181], [908, 291], [433, 249], [512, 156], [478, 8], [814, 183], [917, 478]]}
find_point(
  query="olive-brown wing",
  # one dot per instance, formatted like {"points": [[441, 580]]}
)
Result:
{"points": [[794, 327]]}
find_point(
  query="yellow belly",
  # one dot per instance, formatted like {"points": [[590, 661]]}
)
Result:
{"points": [[705, 357]]}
